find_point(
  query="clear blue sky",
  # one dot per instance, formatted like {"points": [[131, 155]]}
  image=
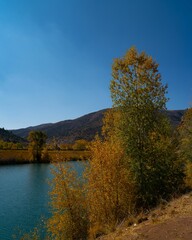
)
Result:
{"points": [[56, 55]]}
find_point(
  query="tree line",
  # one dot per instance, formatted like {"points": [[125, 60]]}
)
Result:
{"points": [[11, 145], [39, 149]]}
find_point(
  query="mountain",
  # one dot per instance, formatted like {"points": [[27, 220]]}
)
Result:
{"points": [[175, 116], [84, 127], [8, 136], [68, 131]]}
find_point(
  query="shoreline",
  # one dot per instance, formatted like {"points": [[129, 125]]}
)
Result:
{"points": [[18, 157]]}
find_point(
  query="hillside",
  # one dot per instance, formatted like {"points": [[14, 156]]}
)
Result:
{"points": [[8, 136], [172, 221], [84, 127]]}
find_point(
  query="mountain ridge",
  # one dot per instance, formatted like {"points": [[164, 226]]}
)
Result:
{"points": [[84, 127], [68, 131]]}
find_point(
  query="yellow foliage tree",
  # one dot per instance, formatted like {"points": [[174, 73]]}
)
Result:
{"points": [[80, 145], [110, 190], [69, 214], [139, 95], [133, 162]]}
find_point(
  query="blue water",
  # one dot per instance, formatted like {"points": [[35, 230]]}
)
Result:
{"points": [[24, 197]]}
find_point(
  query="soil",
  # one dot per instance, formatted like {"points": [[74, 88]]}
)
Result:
{"points": [[170, 221]]}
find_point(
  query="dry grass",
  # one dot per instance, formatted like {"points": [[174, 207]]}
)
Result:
{"points": [[171, 217], [14, 156], [23, 156], [68, 155]]}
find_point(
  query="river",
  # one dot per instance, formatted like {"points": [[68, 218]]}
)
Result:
{"points": [[24, 197]]}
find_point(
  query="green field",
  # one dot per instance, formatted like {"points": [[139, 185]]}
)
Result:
{"points": [[23, 156]]}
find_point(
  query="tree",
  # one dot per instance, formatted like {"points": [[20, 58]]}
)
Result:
{"points": [[110, 192], [69, 211], [139, 95], [37, 141], [185, 131], [80, 145], [185, 143], [133, 164]]}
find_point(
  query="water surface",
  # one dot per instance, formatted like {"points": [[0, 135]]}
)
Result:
{"points": [[24, 196]]}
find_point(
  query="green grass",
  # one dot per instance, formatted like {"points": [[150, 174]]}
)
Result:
{"points": [[23, 156]]}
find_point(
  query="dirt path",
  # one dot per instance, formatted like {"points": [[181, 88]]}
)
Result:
{"points": [[173, 229], [169, 222]]}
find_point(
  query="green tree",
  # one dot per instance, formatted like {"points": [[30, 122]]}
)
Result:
{"points": [[37, 141], [185, 145], [185, 132], [139, 95]]}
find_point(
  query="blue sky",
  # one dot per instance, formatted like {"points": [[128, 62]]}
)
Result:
{"points": [[56, 55]]}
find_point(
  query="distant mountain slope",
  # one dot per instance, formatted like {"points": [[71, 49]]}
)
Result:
{"points": [[8, 136], [84, 127], [175, 116]]}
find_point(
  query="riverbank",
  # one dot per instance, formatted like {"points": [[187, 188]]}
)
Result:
{"points": [[171, 220], [23, 156]]}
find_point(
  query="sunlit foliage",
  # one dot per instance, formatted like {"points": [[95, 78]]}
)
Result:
{"points": [[80, 145], [139, 95], [69, 213], [110, 189], [133, 165]]}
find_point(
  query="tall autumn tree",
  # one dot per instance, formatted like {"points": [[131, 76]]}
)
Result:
{"points": [[37, 141], [139, 95], [110, 193], [133, 164]]}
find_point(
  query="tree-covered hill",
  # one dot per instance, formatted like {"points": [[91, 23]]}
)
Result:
{"points": [[8, 136]]}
